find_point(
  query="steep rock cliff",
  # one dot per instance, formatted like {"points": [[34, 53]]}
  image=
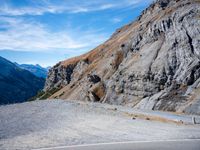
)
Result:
{"points": [[152, 63]]}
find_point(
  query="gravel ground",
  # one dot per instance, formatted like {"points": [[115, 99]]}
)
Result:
{"points": [[41, 124]]}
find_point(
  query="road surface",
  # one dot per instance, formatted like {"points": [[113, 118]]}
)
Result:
{"points": [[151, 145], [47, 123]]}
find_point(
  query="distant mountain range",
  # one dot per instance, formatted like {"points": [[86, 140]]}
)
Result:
{"points": [[37, 70], [17, 84]]}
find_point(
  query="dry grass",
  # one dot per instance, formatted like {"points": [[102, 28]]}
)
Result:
{"points": [[118, 59], [99, 90], [152, 118]]}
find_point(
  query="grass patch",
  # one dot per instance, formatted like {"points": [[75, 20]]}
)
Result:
{"points": [[153, 118], [41, 95]]}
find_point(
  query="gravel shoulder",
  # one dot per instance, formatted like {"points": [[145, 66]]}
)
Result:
{"points": [[51, 123]]}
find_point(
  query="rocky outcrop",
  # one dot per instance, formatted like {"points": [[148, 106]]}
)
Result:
{"points": [[152, 63]]}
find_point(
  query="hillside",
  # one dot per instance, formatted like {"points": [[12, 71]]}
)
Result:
{"points": [[16, 84], [151, 63]]}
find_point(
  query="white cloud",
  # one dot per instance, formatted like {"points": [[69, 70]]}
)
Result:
{"points": [[19, 30], [38, 10], [22, 34], [26, 35], [116, 20], [75, 6]]}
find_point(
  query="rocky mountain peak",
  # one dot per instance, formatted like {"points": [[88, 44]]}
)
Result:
{"points": [[151, 63]]}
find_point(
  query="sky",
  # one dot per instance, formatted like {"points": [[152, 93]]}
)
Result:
{"points": [[48, 31]]}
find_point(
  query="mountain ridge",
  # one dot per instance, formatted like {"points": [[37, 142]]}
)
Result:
{"points": [[151, 63], [37, 70]]}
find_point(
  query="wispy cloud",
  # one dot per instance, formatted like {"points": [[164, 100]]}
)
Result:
{"points": [[29, 28], [28, 35], [116, 20], [75, 6], [47, 31], [8, 10]]}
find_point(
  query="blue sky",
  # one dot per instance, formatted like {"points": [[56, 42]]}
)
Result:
{"points": [[47, 31]]}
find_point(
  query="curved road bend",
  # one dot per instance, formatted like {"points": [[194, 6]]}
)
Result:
{"points": [[190, 144]]}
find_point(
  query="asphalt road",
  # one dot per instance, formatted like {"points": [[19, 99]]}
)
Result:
{"points": [[149, 145]]}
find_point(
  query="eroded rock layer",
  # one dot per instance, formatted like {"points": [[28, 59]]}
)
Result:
{"points": [[152, 63]]}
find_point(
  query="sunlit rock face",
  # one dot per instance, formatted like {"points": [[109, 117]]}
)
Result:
{"points": [[152, 63]]}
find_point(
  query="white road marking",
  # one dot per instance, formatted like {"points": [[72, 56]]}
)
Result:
{"points": [[113, 143]]}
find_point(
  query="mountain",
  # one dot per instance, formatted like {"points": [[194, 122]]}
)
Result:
{"points": [[37, 70], [16, 84], [151, 63]]}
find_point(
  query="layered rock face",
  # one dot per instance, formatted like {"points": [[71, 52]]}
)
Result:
{"points": [[152, 63]]}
